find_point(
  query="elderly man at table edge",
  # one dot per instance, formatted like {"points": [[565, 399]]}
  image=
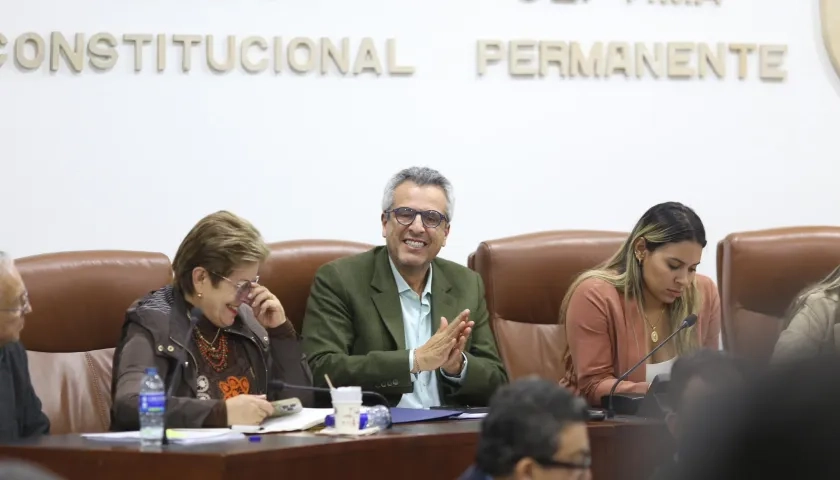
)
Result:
{"points": [[21, 415], [400, 321]]}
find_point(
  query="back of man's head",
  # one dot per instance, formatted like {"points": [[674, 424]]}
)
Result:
{"points": [[702, 372], [694, 378], [526, 419], [783, 424]]}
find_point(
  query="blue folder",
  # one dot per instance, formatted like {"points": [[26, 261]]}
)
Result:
{"points": [[411, 415]]}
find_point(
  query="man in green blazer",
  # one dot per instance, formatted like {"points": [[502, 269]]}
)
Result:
{"points": [[397, 319]]}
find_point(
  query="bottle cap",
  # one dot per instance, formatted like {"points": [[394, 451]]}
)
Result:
{"points": [[255, 439], [151, 370]]}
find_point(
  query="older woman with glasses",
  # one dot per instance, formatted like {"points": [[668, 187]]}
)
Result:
{"points": [[20, 408], [240, 341]]}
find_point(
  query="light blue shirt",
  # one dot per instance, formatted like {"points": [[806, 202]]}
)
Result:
{"points": [[417, 322]]}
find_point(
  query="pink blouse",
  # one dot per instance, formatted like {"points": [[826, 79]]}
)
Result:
{"points": [[606, 337]]}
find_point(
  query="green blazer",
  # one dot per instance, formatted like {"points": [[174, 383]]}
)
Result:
{"points": [[353, 329]]}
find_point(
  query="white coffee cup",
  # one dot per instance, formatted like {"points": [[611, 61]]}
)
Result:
{"points": [[347, 402]]}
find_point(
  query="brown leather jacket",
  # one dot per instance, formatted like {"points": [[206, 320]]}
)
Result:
{"points": [[154, 334]]}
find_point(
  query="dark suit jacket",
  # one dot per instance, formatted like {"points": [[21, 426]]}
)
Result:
{"points": [[667, 471], [353, 329], [473, 473], [20, 408]]}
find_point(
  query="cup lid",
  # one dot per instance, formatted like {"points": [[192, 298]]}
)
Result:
{"points": [[346, 394]]}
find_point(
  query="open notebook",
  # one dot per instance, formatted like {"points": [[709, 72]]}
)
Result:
{"points": [[303, 420]]}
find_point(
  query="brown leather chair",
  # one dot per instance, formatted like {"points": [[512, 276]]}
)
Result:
{"points": [[759, 274], [525, 278], [291, 267], [78, 302]]}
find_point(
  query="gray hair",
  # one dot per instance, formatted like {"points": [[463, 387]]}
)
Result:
{"points": [[421, 176], [6, 262]]}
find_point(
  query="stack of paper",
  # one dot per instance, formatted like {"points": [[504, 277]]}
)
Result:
{"points": [[192, 436], [334, 433], [178, 436], [129, 437]]}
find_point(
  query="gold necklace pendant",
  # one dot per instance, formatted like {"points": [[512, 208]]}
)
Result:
{"points": [[654, 337]]}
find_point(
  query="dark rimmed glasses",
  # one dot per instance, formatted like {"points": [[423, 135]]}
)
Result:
{"points": [[580, 470], [25, 306], [243, 288], [406, 215]]}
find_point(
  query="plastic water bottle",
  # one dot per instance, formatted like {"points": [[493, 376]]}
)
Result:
{"points": [[152, 408], [377, 416], [374, 416]]}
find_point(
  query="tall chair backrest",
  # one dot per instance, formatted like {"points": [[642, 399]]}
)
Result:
{"points": [[525, 279], [760, 273], [78, 302], [291, 267]]}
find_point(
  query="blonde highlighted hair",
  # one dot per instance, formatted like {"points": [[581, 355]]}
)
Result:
{"points": [[830, 285], [669, 222], [220, 243]]}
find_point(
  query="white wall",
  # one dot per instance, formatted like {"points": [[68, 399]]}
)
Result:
{"points": [[132, 160]]}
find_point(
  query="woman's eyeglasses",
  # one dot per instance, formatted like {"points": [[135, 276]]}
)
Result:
{"points": [[243, 288], [24, 306]]}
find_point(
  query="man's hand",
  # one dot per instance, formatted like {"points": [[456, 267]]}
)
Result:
{"points": [[449, 340], [455, 361]]}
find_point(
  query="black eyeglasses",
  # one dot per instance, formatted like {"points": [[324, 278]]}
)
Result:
{"points": [[581, 469], [405, 216]]}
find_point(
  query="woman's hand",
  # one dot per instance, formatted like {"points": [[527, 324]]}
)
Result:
{"points": [[247, 409], [266, 307]]}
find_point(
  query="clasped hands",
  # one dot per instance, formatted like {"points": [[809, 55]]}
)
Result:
{"points": [[444, 350]]}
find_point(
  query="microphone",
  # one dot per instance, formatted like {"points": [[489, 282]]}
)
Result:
{"points": [[178, 373], [281, 385], [688, 322]]}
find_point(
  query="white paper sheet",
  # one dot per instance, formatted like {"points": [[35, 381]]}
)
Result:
{"points": [[469, 416]]}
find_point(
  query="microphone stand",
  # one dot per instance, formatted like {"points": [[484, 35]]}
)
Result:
{"points": [[688, 322], [178, 372]]}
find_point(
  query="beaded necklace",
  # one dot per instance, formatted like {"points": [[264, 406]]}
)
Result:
{"points": [[216, 356]]}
